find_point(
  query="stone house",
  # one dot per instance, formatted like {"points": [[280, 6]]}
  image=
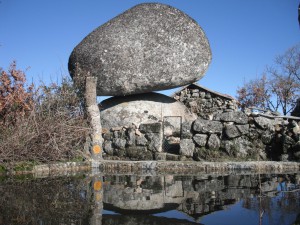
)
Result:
{"points": [[205, 103]]}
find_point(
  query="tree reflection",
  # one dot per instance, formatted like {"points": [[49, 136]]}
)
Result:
{"points": [[278, 197]]}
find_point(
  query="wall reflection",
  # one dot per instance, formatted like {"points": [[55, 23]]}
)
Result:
{"points": [[136, 199]]}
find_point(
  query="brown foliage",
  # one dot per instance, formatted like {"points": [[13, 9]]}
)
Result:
{"points": [[254, 93], [15, 99]]}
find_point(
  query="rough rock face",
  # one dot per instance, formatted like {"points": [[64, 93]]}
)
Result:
{"points": [[238, 117], [142, 108], [207, 126], [187, 147], [147, 48], [200, 139], [213, 142]]}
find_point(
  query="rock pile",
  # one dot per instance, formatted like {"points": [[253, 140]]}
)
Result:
{"points": [[147, 48], [245, 136]]}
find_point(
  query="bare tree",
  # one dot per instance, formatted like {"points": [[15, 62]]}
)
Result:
{"points": [[278, 87], [285, 89], [256, 93], [287, 64]]}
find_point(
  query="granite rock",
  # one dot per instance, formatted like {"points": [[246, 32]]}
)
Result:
{"points": [[187, 147], [141, 140], [207, 126], [155, 140], [131, 137], [200, 139], [149, 47], [186, 130], [235, 116], [232, 131], [142, 108], [264, 123], [213, 142], [119, 143], [107, 146], [150, 127]]}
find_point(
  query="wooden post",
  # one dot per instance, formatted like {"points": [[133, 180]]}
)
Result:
{"points": [[93, 113]]}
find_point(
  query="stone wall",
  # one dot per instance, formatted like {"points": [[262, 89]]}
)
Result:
{"points": [[238, 135], [130, 142], [230, 135]]}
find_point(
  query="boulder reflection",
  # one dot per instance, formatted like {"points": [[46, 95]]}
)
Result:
{"points": [[134, 199], [193, 195]]}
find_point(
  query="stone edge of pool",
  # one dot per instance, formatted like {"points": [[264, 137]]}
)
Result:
{"points": [[161, 167]]}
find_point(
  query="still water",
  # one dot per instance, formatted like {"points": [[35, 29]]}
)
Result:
{"points": [[151, 200]]}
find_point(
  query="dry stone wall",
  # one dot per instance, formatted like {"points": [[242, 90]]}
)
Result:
{"points": [[220, 132], [228, 135], [129, 142]]}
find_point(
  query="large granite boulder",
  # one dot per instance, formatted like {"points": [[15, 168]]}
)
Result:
{"points": [[147, 48], [141, 108]]}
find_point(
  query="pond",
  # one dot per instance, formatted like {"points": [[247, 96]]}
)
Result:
{"points": [[151, 200]]}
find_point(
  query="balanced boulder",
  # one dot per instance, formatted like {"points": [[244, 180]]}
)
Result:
{"points": [[147, 48]]}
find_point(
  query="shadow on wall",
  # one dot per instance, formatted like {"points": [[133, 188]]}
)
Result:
{"points": [[151, 97]]}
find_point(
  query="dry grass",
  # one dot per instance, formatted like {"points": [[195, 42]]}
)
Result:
{"points": [[53, 128], [38, 138]]}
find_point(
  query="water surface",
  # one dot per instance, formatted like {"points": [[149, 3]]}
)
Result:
{"points": [[151, 200]]}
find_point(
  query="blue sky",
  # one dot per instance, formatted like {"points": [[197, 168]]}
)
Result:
{"points": [[244, 35]]}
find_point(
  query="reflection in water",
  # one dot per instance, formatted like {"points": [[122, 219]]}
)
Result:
{"points": [[278, 201], [44, 201], [151, 200]]}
